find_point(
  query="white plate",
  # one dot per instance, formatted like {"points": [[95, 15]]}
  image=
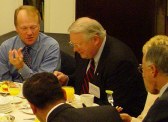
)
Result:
{"points": [[27, 111], [94, 104], [6, 118], [15, 99]]}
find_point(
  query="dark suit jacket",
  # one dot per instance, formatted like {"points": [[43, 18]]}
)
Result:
{"points": [[117, 71], [158, 111], [67, 113]]}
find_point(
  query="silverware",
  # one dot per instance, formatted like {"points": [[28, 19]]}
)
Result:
{"points": [[4, 94], [29, 119], [83, 105], [110, 97]]}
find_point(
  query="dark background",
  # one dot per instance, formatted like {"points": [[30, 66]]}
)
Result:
{"points": [[131, 21]]}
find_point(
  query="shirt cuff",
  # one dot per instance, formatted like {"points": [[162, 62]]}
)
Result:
{"points": [[25, 72]]}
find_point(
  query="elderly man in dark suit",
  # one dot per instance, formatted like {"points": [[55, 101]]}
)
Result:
{"points": [[114, 67], [155, 74], [46, 98], [154, 69]]}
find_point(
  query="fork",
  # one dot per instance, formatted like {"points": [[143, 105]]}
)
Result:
{"points": [[29, 119], [110, 97]]}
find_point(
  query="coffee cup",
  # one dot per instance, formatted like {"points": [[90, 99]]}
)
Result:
{"points": [[87, 99]]}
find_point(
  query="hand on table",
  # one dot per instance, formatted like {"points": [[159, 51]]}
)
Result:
{"points": [[125, 117], [119, 109], [61, 77]]}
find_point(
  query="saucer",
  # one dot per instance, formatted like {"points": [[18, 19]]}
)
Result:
{"points": [[15, 99], [27, 111]]}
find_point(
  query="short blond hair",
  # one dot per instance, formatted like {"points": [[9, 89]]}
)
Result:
{"points": [[30, 9], [156, 40], [156, 52]]}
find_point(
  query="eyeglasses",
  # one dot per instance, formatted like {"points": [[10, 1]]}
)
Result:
{"points": [[140, 68], [74, 45], [32, 28]]}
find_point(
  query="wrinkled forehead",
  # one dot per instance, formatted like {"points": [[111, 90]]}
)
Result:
{"points": [[25, 16]]}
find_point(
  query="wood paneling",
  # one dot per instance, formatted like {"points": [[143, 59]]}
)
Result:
{"points": [[132, 21]]}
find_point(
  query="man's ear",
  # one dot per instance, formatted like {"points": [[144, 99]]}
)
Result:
{"points": [[34, 108], [16, 29], [154, 70], [96, 39], [64, 92]]}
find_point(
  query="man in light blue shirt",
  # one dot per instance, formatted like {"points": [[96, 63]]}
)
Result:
{"points": [[44, 51]]}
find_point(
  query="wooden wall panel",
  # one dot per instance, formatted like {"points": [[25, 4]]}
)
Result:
{"points": [[132, 21]]}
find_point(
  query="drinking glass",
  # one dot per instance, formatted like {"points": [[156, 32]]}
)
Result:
{"points": [[69, 90], [14, 89], [36, 120]]}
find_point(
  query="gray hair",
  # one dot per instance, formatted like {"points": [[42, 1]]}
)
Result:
{"points": [[156, 50], [89, 27]]}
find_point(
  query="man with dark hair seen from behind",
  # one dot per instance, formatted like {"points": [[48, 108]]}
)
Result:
{"points": [[46, 98]]}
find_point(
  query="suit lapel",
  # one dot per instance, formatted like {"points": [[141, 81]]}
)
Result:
{"points": [[82, 66], [102, 61], [152, 111]]}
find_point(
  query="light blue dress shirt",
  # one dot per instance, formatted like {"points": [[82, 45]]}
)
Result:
{"points": [[45, 54]]}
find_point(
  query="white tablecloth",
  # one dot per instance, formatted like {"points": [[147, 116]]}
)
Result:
{"points": [[18, 113], [21, 116], [18, 109]]}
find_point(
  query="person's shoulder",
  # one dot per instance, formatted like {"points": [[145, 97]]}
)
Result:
{"points": [[10, 42], [164, 96], [47, 40], [116, 41], [118, 45]]}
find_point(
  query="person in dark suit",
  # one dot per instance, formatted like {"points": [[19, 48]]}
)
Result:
{"points": [[115, 67], [46, 98], [154, 69]]}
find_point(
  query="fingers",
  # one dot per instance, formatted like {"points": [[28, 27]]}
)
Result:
{"points": [[61, 77], [16, 58], [20, 53], [119, 109], [57, 73], [11, 55], [125, 117]]}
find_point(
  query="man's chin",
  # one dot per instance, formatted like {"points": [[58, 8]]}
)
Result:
{"points": [[155, 91], [29, 42], [84, 57]]}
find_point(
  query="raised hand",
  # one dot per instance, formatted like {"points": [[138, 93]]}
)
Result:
{"points": [[16, 58]]}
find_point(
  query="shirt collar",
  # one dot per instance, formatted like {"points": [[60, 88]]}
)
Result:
{"points": [[97, 56], [52, 110]]}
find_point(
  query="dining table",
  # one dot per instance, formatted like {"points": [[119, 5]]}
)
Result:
{"points": [[21, 110], [22, 113]]}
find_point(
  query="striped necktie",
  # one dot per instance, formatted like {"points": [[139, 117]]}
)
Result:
{"points": [[88, 77], [26, 56]]}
